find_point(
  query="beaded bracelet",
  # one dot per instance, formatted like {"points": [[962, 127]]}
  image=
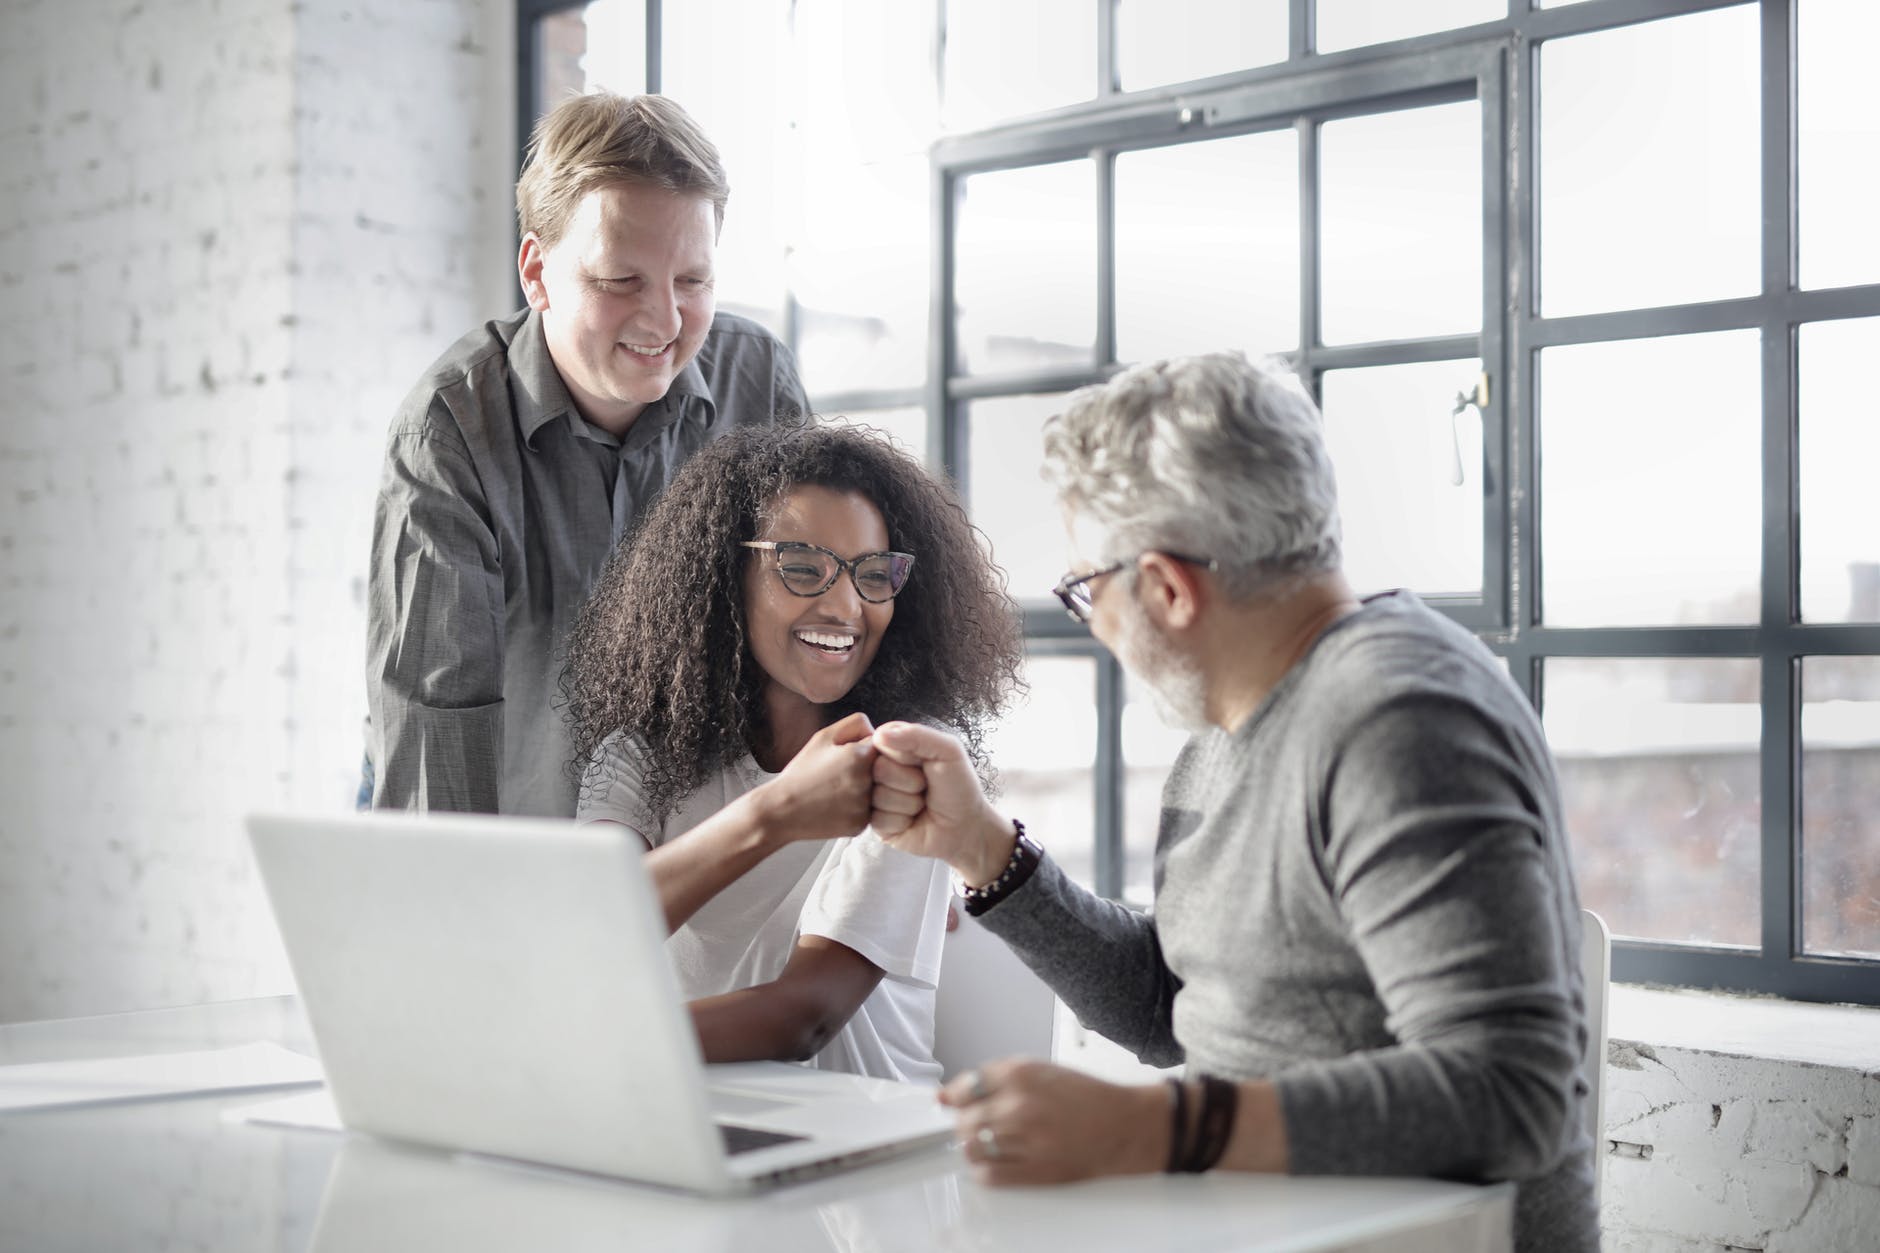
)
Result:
{"points": [[1025, 858]]}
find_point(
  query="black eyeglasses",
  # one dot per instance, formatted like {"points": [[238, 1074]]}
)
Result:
{"points": [[811, 569], [1074, 589]]}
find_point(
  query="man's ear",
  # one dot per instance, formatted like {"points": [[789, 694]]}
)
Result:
{"points": [[529, 261], [1172, 590]]}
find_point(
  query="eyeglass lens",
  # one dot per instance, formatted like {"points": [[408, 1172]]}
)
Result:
{"points": [[808, 571]]}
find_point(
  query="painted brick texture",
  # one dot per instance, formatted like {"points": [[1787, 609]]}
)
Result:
{"points": [[1717, 1152], [231, 235]]}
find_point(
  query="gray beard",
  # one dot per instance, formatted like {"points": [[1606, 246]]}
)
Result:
{"points": [[1178, 692]]}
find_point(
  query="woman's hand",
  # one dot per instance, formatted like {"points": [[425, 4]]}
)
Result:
{"points": [[1027, 1122], [827, 789]]}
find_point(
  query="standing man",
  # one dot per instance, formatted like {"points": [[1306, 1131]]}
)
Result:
{"points": [[536, 441], [1365, 935]]}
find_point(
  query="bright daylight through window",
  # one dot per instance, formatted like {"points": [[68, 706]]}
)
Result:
{"points": [[1587, 293]]}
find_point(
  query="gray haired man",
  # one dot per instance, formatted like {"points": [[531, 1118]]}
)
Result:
{"points": [[1365, 926]]}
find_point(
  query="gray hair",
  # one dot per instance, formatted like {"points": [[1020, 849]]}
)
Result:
{"points": [[1211, 456]]}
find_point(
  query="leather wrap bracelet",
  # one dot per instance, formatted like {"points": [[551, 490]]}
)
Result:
{"points": [[1177, 1124], [1197, 1142]]}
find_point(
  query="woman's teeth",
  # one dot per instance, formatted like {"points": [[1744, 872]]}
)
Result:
{"points": [[827, 642]]}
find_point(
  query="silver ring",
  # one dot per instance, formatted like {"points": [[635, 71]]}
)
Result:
{"points": [[977, 1089], [988, 1140]]}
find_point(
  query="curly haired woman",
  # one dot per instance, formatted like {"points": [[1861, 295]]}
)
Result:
{"points": [[793, 586]]}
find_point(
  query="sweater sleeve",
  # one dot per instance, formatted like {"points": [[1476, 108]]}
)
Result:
{"points": [[1103, 959], [1438, 859]]}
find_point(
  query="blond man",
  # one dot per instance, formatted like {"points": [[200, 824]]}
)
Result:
{"points": [[531, 445]]}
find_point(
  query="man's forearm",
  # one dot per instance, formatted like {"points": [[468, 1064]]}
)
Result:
{"points": [[1100, 957]]}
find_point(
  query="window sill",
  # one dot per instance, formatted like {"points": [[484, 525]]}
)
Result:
{"points": [[1845, 1037]]}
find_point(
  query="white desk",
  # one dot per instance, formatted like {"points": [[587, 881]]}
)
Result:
{"points": [[165, 1174]]}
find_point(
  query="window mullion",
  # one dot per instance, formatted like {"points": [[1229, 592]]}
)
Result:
{"points": [[1108, 782], [1781, 698]]}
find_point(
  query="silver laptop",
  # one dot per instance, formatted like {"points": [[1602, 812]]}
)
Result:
{"points": [[501, 986]]}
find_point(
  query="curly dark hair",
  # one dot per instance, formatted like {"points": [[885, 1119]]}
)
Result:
{"points": [[659, 652]]}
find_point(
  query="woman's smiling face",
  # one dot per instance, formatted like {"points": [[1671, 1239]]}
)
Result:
{"points": [[815, 649]]}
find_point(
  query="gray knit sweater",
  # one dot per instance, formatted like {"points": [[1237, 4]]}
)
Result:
{"points": [[1364, 895]]}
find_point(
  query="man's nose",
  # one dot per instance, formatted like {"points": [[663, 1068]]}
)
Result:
{"points": [[659, 311]]}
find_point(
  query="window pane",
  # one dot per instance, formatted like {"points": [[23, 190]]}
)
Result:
{"points": [[1009, 499], [1660, 776], [859, 266], [1651, 474], [1401, 232], [860, 277], [1409, 475], [726, 63], [1006, 60], [1149, 749], [1840, 447], [1840, 801], [1354, 23], [1838, 133], [1026, 268], [1045, 749], [1649, 141], [595, 45], [905, 428], [1173, 41], [1198, 227]]}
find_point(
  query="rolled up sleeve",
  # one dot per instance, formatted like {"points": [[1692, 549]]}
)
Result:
{"points": [[435, 628]]}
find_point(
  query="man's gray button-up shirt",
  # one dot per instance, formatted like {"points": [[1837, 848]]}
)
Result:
{"points": [[497, 509]]}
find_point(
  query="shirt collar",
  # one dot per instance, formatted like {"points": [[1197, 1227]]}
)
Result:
{"points": [[688, 397], [542, 396]]}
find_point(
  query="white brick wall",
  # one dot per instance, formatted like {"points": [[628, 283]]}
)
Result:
{"points": [[1742, 1124], [231, 235], [391, 233]]}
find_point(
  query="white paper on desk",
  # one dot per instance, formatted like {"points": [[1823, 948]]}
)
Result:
{"points": [[36, 1085], [309, 1109]]}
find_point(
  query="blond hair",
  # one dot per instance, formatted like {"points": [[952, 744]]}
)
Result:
{"points": [[601, 138]]}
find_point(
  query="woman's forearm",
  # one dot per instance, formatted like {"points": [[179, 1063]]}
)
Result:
{"points": [[792, 1017], [692, 869]]}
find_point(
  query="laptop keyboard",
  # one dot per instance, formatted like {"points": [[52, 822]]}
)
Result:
{"points": [[741, 1139]]}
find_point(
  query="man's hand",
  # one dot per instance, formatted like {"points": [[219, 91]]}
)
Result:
{"points": [[825, 791], [927, 801], [1029, 1122]]}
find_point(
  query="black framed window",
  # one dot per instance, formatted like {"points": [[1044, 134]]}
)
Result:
{"points": [[1584, 287]]}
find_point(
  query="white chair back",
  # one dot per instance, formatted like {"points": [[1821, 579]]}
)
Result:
{"points": [[989, 1004], [1596, 972]]}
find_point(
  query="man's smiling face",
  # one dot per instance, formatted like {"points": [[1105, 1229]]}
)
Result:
{"points": [[626, 296]]}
